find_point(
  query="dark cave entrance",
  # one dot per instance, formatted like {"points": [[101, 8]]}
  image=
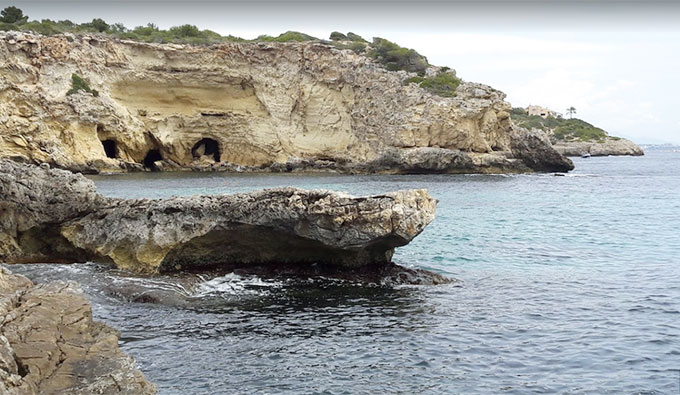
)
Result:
{"points": [[208, 147], [151, 158], [110, 148]]}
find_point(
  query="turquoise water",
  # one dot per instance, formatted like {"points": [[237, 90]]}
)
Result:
{"points": [[569, 284]]}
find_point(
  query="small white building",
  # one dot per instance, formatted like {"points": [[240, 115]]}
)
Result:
{"points": [[541, 111]]}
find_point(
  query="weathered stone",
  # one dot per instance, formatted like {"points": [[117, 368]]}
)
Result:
{"points": [[33, 202], [49, 343], [533, 147], [264, 104], [609, 146], [276, 226]]}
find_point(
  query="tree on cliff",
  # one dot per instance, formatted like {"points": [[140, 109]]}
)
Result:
{"points": [[12, 14], [99, 25], [571, 111]]}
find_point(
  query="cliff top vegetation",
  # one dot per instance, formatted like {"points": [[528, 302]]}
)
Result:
{"points": [[562, 129], [392, 56]]}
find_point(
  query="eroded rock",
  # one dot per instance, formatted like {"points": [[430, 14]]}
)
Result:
{"points": [[276, 226], [264, 105], [609, 146], [49, 343]]}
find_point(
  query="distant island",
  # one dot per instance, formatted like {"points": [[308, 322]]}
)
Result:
{"points": [[573, 136]]}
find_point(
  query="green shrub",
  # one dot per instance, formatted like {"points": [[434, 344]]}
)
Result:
{"points": [[117, 28], [288, 36], [13, 14], [415, 80], [576, 129], [5, 27], [395, 57], [185, 31], [79, 84], [45, 27], [337, 36], [145, 31], [358, 46], [443, 84], [562, 129], [355, 37], [99, 25]]}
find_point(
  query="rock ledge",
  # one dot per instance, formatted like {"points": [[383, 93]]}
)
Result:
{"points": [[55, 216]]}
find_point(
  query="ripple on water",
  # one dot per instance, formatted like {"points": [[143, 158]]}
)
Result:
{"points": [[569, 285]]}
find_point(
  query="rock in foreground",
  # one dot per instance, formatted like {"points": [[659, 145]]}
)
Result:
{"points": [[53, 215], [50, 345]]}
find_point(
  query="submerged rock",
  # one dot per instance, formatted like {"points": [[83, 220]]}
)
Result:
{"points": [[271, 227], [49, 343]]}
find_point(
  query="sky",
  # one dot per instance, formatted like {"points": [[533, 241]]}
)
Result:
{"points": [[617, 62]]}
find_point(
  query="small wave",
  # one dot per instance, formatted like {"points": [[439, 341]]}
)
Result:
{"points": [[233, 284], [580, 175]]}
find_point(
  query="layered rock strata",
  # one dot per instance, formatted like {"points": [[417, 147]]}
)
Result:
{"points": [[252, 106], [54, 215], [49, 343], [610, 146]]}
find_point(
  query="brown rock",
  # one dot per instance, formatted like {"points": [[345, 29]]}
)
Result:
{"points": [[49, 343]]}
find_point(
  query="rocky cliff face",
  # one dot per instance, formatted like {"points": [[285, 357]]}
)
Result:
{"points": [[49, 343], [54, 215], [610, 146], [271, 106]]}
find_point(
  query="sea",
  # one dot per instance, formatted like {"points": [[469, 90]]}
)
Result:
{"points": [[565, 284]]}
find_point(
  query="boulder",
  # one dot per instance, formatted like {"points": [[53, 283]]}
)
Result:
{"points": [[534, 149]]}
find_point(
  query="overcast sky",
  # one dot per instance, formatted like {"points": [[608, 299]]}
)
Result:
{"points": [[616, 62]]}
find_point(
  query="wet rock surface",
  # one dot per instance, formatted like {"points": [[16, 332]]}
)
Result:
{"points": [[49, 343]]}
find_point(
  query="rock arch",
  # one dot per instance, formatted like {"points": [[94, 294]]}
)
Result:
{"points": [[206, 146]]}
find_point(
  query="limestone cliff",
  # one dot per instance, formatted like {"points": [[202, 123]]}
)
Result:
{"points": [[271, 106]]}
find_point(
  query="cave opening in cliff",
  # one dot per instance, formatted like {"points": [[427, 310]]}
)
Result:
{"points": [[151, 158], [110, 148], [206, 146]]}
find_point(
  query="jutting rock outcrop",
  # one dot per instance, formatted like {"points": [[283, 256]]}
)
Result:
{"points": [[54, 215], [49, 343], [243, 106], [606, 147]]}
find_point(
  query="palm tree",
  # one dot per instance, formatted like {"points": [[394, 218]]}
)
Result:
{"points": [[571, 111]]}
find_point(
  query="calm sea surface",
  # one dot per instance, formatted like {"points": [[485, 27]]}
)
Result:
{"points": [[567, 285]]}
